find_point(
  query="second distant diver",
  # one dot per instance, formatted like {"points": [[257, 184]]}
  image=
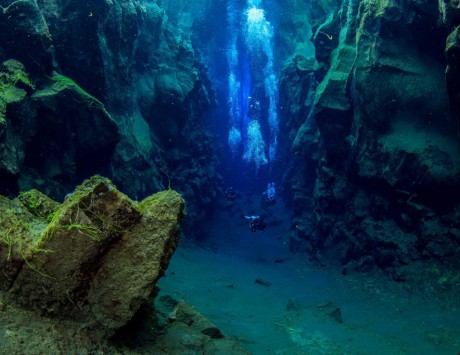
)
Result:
{"points": [[256, 223]]}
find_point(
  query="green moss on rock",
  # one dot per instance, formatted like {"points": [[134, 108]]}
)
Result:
{"points": [[61, 83], [13, 85], [19, 232], [38, 203], [95, 258]]}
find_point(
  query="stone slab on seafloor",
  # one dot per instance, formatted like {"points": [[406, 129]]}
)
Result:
{"points": [[95, 259]]}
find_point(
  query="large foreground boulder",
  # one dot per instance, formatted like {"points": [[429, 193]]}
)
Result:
{"points": [[94, 259]]}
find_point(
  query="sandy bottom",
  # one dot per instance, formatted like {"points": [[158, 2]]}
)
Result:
{"points": [[294, 307]]}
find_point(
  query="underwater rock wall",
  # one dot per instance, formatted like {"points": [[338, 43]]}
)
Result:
{"points": [[378, 142], [51, 131], [134, 74]]}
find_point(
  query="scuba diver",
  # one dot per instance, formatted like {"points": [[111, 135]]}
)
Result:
{"points": [[256, 223], [230, 194]]}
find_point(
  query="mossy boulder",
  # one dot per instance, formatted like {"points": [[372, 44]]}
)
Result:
{"points": [[117, 291], [38, 203], [19, 233], [93, 259]]}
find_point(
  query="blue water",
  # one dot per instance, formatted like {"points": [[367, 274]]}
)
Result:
{"points": [[251, 283], [252, 84], [379, 316]]}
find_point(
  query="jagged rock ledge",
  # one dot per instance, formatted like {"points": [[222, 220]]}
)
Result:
{"points": [[80, 277], [94, 259]]}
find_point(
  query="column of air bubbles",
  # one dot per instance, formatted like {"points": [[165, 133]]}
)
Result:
{"points": [[234, 85], [259, 41], [244, 130]]}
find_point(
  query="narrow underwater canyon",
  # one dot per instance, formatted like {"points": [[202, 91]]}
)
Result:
{"points": [[337, 119], [354, 106]]}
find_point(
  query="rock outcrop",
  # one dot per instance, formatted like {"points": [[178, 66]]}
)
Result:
{"points": [[453, 67], [15, 87], [187, 330], [94, 259], [135, 73], [380, 145], [52, 135]]}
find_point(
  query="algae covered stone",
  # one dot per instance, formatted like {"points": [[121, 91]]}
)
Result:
{"points": [[118, 290], [19, 233], [95, 258], [14, 89]]}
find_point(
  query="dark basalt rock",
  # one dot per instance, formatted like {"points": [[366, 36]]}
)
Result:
{"points": [[53, 135], [332, 310], [297, 86], [25, 36], [379, 149], [453, 70], [16, 115], [147, 95], [73, 147]]}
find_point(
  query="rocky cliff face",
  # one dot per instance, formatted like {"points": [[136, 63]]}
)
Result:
{"points": [[380, 148], [137, 104]]}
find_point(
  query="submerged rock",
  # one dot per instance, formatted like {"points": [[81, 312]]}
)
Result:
{"points": [[28, 333], [189, 332], [94, 260], [24, 34], [75, 136], [332, 310], [85, 271]]}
